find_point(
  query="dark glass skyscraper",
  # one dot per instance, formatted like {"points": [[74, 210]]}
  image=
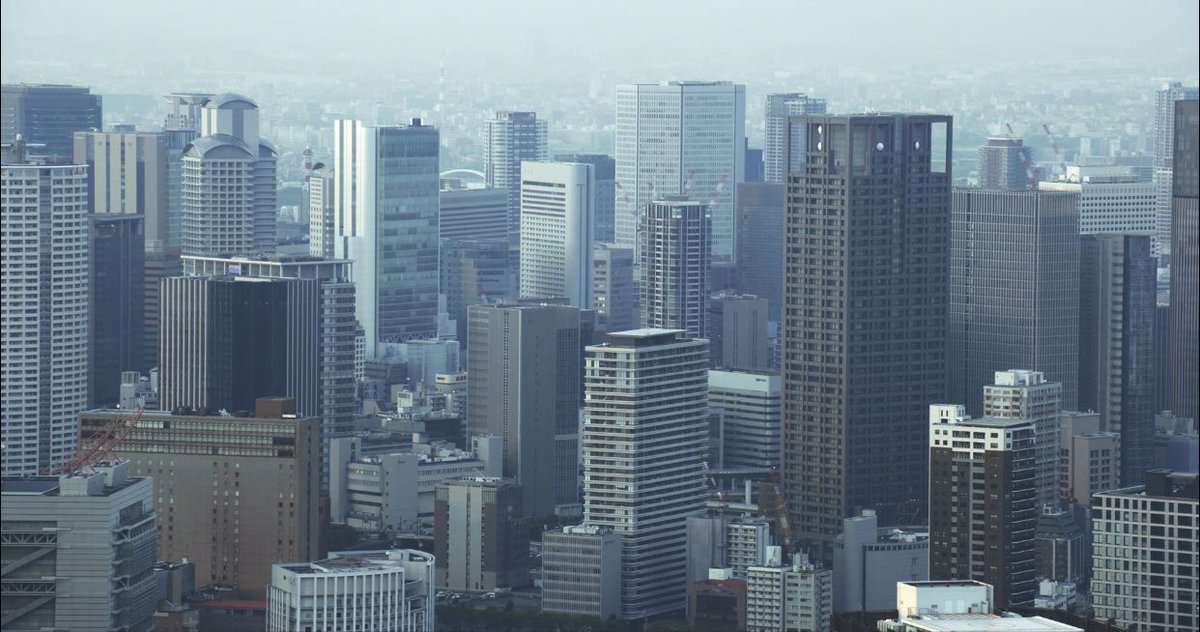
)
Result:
{"points": [[864, 315], [1014, 289], [760, 243], [1184, 339], [49, 115], [117, 287]]}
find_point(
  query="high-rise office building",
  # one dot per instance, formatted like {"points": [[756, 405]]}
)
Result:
{"points": [[473, 214], [473, 272], [1147, 581], [675, 254], [775, 131], [524, 363], [1014, 289], [321, 235], [79, 551], [43, 210], [581, 571], [760, 243], [1021, 394], [1112, 199], [754, 163], [1006, 164], [234, 494], [614, 291], [1116, 338], [749, 405], [229, 340], [605, 169], [1184, 336], [509, 140], [117, 286], [558, 201], [128, 175], [977, 536], [337, 405], [181, 126], [158, 266], [864, 325], [645, 432], [1164, 154], [227, 182], [737, 332], [480, 537], [370, 591], [680, 138], [1090, 458], [386, 221], [48, 115]]}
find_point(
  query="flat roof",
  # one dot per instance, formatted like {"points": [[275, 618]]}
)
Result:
{"points": [[972, 622], [32, 486]]}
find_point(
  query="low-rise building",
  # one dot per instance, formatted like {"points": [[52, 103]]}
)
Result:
{"points": [[481, 541], [717, 604], [869, 560], [958, 606], [581, 571], [364, 591], [784, 597]]}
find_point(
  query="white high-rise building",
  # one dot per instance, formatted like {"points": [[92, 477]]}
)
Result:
{"points": [[367, 591], [1020, 394], [510, 139], [386, 220], [558, 201], [1111, 199], [796, 596], [749, 402], [675, 257], [779, 108], [228, 182], [320, 213], [645, 434], [45, 275], [680, 138]]}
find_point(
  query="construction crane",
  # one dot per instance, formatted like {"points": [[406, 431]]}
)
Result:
{"points": [[100, 444], [1062, 163], [781, 514], [1026, 162]]}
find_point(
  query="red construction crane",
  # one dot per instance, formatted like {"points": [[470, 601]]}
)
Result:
{"points": [[100, 444]]}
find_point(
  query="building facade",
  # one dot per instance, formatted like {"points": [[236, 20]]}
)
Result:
{"points": [[1116, 339], [614, 291], [749, 402], [128, 174], [644, 444], [1184, 338], [1014, 289], [79, 551], [1006, 164], [868, 562], [46, 312], [232, 531], [984, 537], [321, 234], [680, 138], [796, 596], [775, 131], [368, 591], [473, 214], [605, 171], [1164, 155], [509, 140], [760, 243], [558, 208], [737, 332], [581, 571], [1143, 548], [864, 323], [118, 306], [1111, 199], [474, 272], [386, 221], [227, 182], [675, 254], [481, 541], [48, 114], [1020, 394]]}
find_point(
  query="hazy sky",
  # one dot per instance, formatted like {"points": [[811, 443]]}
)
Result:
{"points": [[169, 40]]}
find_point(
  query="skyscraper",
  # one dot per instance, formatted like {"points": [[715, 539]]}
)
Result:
{"points": [[128, 174], [737, 332], [864, 323], [1014, 289], [1027, 395], [779, 108], [1164, 155], [1111, 199], [229, 340], [749, 405], [386, 221], [474, 271], [1007, 164], [510, 139], [228, 182], [45, 267], [473, 214], [321, 236], [558, 201], [645, 428], [760, 243], [480, 540], [117, 318], [976, 536], [680, 138], [524, 363], [606, 190], [1184, 337], [675, 253], [614, 290], [1116, 337], [181, 126], [49, 115]]}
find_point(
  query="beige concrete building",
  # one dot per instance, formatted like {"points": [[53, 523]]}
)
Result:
{"points": [[128, 176], [1090, 460], [232, 494], [480, 537]]}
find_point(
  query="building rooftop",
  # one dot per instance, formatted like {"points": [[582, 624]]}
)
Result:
{"points": [[972, 622]]}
